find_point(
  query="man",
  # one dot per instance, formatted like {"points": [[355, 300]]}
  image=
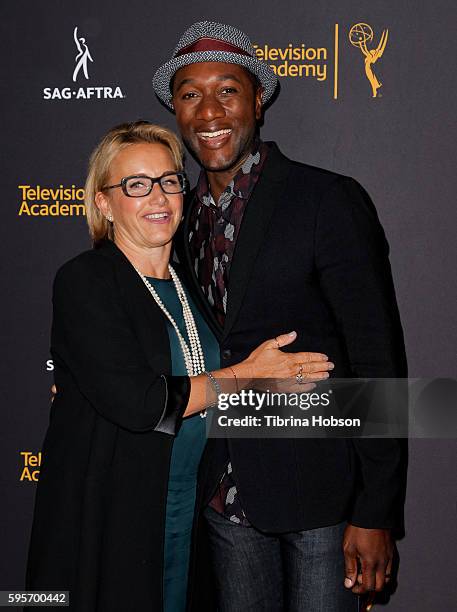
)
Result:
{"points": [[273, 245]]}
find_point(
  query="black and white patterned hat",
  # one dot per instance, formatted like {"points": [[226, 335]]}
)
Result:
{"points": [[207, 41]]}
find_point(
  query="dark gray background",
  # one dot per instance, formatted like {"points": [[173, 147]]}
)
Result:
{"points": [[398, 146]]}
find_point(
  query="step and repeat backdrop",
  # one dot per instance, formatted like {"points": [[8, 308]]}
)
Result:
{"points": [[367, 89]]}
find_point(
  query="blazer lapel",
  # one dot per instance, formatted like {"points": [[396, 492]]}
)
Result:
{"points": [[266, 195]]}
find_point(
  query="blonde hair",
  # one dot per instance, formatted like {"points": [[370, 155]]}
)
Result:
{"points": [[114, 141]]}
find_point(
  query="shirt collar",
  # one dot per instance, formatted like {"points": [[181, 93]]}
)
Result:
{"points": [[238, 188]]}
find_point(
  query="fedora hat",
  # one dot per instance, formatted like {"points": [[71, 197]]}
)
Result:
{"points": [[207, 41]]}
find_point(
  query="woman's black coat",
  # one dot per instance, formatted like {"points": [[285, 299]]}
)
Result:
{"points": [[100, 506]]}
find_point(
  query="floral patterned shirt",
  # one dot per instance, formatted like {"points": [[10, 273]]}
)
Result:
{"points": [[214, 228]]}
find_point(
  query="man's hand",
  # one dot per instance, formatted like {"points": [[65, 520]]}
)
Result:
{"points": [[53, 393], [368, 556]]}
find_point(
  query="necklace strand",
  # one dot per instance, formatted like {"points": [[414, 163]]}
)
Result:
{"points": [[192, 352]]}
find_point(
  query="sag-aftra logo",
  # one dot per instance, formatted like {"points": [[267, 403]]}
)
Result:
{"points": [[81, 68]]}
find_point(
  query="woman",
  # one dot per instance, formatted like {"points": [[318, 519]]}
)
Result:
{"points": [[135, 366]]}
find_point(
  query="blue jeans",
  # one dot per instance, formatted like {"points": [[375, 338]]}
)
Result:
{"points": [[258, 572]]}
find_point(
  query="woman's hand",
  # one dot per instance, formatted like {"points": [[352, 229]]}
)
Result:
{"points": [[268, 361], [278, 369]]}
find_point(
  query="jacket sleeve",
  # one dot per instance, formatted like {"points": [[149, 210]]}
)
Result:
{"points": [[94, 342], [355, 277]]}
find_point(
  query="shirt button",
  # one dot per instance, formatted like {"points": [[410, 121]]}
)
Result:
{"points": [[226, 354]]}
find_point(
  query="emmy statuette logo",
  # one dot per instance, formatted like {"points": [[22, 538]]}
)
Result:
{"points": [[361, 35], [82, 57]]}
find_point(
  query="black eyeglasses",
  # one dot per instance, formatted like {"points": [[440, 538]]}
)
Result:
{"points": [[139, 185]]}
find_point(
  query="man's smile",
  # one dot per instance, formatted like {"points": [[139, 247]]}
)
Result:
{"points": [[214, 138]]}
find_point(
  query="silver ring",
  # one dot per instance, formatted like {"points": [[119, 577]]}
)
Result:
{"points": [[299, 377]]}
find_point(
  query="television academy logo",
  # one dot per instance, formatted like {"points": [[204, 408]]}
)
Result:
{"points": [[30, 468], [360, 35], [99, 92], [321, 63]]}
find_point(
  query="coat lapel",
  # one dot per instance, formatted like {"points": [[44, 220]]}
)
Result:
{"points": [[266, 195], [148, 318]]}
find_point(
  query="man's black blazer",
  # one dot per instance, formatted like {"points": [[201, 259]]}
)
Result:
{"points": [[311, 256]]}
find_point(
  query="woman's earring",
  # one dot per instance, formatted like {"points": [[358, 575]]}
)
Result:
{"points": [[109, 218]]}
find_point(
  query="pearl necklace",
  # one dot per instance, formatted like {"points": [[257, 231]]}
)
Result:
{"points": [[193, 355]]}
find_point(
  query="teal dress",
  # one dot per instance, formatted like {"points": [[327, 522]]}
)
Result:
{"points": [[187, 450]]}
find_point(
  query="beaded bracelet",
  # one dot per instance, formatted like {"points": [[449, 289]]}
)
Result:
{"points": [[216, 386]]}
